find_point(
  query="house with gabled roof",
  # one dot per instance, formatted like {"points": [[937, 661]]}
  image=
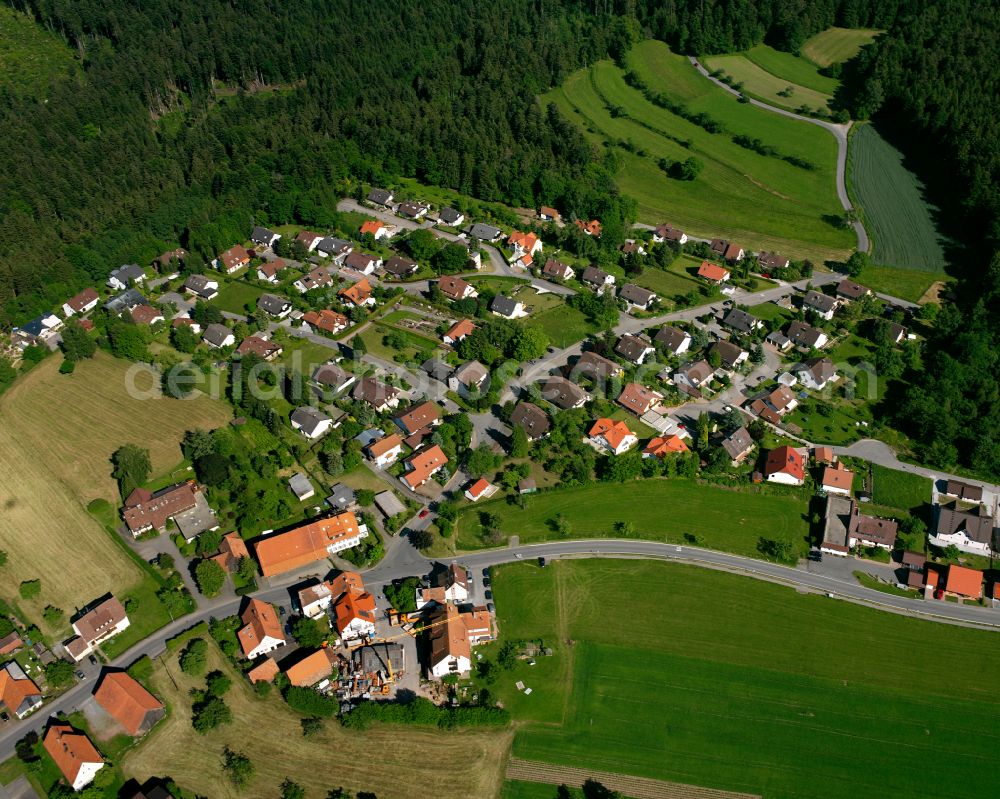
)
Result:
{"points": [[597, 278], [74, 755], [134, 708], [531, 419], [233, 259], [411, 209], [507, 307], [785, 465], [549, 214], [359, 294], [400, 267], [310, 422], [614, 437], [730, 355], [274, 305], [377, 228], [667, 232], [309, 240], [739, 320], [364, 263], [381, 197], [269, 270], [458, 331], [18, 692], [563, 394], [423, 465], [146, 315], [279, 553], [822, 304], [806, 337], [218, 336], [232, 549], [202, 286], [591, 228], [636, 297], [847, 289], [558, 270], [639, 399], [662, 446], [327, 320], [81, 303], [634, 348], [455, 288], [695, 374], [480, 489], [258, 345], [263, 237], [102, 622], [673, 340], [384, 452], [816, 373], [312, 669], [484, 232], [331, 247], [973, 531], [418, 417], [713, 273], [318, 277], [127, 276], [261, 631], [837, 479], [738, 445], [771, 260], [381, 396], [450, 217], [596, 367]]}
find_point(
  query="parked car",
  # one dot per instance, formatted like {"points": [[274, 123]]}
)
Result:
{"points": [[4, 716], [423, 514], [488, 594], [541, 562], [80, 675]]}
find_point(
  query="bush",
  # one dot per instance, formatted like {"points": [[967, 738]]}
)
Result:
{"points": [[209, 714], [59, 673], [53, 615], [30, 589], [310, 702], [210, 577], [141, 669], [218, 683], [402, 594], [310, 633], [422, 712], [67, 367], [237, 767]]}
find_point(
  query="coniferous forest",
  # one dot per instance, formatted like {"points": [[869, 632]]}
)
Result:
{"points": [[186, 121]]}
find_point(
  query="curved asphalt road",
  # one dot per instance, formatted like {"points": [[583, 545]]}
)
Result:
{"points": [[839, 132]]}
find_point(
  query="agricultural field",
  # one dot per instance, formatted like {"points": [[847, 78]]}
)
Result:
{"points": [[837, 45], [386, 760], [682, 688], [58, 434], [715, 517], [761, 84], [791, 68], [762, 201], [29, 55]]}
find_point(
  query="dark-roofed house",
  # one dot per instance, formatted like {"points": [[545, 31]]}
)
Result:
{"points": [[338, 249], [778, 340], [637, 398], [454, 288], [260, 346], [596, 367], [450, 217], [849, 290], [730, 355], [218, 336], [362, 262], [597, 278], [310, 422], [816, 373], [507, 307], [85, 301], [636, 297], [128, 703], [738, 445], [563, 394], [379, 395], [412, 209], [341, 497], [400, 267], [437, 369], [318, 277], [274, 305], [771, 260], [805, 336], [205, 287], [531, 419], [381, 197], [633, 348], [822, 304], [966, 491], [695, 374], [896, 332], [264, 237], [741, 321], [667, 232], [126, 276], [970, 530], [558, 269], [484, 232], [672, 340], [846, 527], [125, 301]]}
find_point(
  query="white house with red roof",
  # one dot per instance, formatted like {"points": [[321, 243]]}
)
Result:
{"points": [[612, 436], [785, 465], [480, 489]]}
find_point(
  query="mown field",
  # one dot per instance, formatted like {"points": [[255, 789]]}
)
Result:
{"points": [[29, 55], [792, 68], [677, 673], [761, 201], [56, 441], [890, 199], [660, 510], [901, 490], [836, 45], [765, 85], [389, 761]]}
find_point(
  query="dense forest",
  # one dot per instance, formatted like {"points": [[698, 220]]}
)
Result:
{"points": [[186, 120]]}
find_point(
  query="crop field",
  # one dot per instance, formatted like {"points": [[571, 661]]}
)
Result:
{"points": [[29, 55], [718, 680], [660, 510], [890, 198], [791, 68], [762, 201], [56, 440], [387, 760], [758, 82], [836, 45]]}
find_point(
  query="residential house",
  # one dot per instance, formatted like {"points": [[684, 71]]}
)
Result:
{"points": [[531, 419], [837, 479], [310, 422], [806, 337], [18, 692], [203, 287], [785, 465], [454, 288], [770, 261], [597, 278], [727, 250], [480, 489], [448, 583], [400, 267], [637, 398], [262, 629], [263, 237], [381, 396], [547, 214], [259, 346], [146, 315], [165, 260], [450, 217], [484, 232], [218, 336], [74, 755], [713, 273], [304, 545], [419, 417], [816, 373], [81, 303], [449, 650], [363, 262], [662, 446], [557, 269], [423, 465], [695, 375], [300, 486], [636, 297], [314, 600], [475, 255], [311, 669], [822, 304], [384, 452], [972, 531], [125, 277], [469, 379], [633, 247], [274, 305], [741, 321], [824, 456], [412, 209], [591, 228], [673, 340], [309, 240], [597, 368], [326, 320], [738, 445], [232, 549], [353, 608], [896, 333], [184, 503], [436, 369], [269, 270], [730, 355], [527, 486], [11, 643], [964, 491], [524, 243], [849, 290], [232, 260], [106, 620], [845, 527], [318, 277], [338, 249], [634, 349], [507, 307], [381, 197], [341, 497], [778, 340], [359, 294], [615, 437], [378, 229], [564, 394], [781, 401], [963, 582], [667, 232], [134, 708], [125, 301], [458, 331]]}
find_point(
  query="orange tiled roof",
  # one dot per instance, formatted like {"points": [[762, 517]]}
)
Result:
{"points": [[13, 692], [260, 621], [661, 446], [358, 293], [712, 271], [266, 670], [838, 477], [126, 701], [463, 327], [70, 750], [303, 545], [372, 226], [964, 581], [310, 670], [613, 432], [423, 464]]}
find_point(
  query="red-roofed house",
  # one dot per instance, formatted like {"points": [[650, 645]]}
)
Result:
{"points": [[524, 244], [837, 480], [422, 466], [612, 436], [146, 315], [354, 608], [326, 320], [785, 465], [233, 259], [128, 703], [481, 489], [74, 754], [713, 273], [261, 632], [458, 331], [964, 582], [378, 229], [660, 447], [85, 301], [591, 228]]}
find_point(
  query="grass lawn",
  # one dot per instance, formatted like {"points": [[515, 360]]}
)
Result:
{"points": [[661, 510], [761, 201], [792, 68], [30, 56], [332, 758], [498, 284], [764, 85], [836, 424], [362, 478], [870, 582], [667, 283], [681, 687], [899, 489], [836, 45], [772, 313], [563, 325], [53, 464], [908, 284], [635, 424], [306, 355], [234, 296], [891, 201]]}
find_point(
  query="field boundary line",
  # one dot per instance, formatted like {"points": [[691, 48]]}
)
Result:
{"points": [[634, 787]]}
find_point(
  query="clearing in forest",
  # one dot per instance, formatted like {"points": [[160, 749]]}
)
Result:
{"points": [[30, 56], [762, 84], [837, 45]]}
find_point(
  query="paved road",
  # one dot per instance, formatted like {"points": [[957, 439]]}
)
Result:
{"points": [[839, 132]]}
